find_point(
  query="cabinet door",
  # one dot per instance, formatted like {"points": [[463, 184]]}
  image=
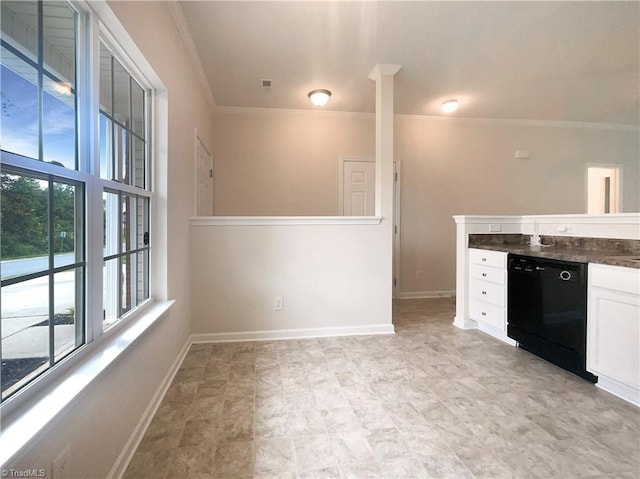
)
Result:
{"points": [[613, 336]]}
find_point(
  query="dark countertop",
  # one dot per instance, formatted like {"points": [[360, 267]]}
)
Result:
{"points": [[616, 252]]}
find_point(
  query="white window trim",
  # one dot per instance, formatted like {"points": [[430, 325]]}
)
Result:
{"points": [[29, 410]]}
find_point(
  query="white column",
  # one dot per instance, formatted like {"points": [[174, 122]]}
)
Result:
{"points": [[383, 76]]}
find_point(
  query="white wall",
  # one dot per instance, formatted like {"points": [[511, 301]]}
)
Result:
{"points": [[284, 163], [99, 423], [332, 278], [452, 167], [449, 167]]}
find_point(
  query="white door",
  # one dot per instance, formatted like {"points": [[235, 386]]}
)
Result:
{"points": [[603, 189], [204, 180], [358, 188], [357, 198]]}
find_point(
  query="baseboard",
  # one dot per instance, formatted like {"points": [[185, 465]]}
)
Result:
{"points": [[129, 449], [496, 333], [465, 323], [303, 333], [426, 294], [628, 393]]}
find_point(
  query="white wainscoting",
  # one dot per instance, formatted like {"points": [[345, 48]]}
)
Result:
{"points": [[334, 275]]}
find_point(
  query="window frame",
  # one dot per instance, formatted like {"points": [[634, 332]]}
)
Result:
{"points": [[78, 266], [91, 30], [113, 185]]}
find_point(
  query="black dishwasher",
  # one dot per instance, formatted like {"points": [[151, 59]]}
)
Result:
{"points": [[547, 310]]}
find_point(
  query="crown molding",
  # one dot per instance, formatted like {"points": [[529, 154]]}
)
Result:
{"points": [[585, 125], [286, 111], [190, 46]]}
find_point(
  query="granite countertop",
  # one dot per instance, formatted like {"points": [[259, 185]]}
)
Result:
{"points": [[616, 252]]}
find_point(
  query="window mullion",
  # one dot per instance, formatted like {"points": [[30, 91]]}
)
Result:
{"points": [[114, 171], [52, 246], [119, 222], [40, 81], [90, 65]]}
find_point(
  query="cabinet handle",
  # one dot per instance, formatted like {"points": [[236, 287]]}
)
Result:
{"points": [[484, 275], [484, 314], [484, 259], [484, 292]]}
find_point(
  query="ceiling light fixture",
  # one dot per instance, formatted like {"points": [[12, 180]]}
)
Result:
{"points": [[319, 97], [449, 106]]}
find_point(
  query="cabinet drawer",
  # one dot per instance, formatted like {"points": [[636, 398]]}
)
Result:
{"points": [[488, 292], [488, 313], [625, 280], [486, 273], [497, 259]]}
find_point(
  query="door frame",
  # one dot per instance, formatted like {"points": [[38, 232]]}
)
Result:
{"points": [[198, 140], [619, 193], [397, 183]]}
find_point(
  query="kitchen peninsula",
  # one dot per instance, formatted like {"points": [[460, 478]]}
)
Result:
{"points": [[610, 247]]}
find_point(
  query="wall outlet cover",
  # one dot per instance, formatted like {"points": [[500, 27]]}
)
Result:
{"points": [[277, 303]]}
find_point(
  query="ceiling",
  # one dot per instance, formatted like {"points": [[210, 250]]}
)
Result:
{"points": [[556, 61]]}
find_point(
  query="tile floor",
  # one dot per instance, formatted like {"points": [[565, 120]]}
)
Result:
{"points": [[431, 401]]}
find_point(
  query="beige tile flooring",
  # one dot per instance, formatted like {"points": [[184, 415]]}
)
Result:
{"points": [[430, 401]]}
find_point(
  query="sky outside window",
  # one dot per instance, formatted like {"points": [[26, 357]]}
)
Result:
{"points": [[38, 117]]}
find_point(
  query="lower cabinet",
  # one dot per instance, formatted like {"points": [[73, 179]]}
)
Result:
{"points": [[488, 291], [613, 329]]}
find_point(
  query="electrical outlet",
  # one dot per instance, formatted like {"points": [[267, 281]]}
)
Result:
{"points": [[60, 466], [277, 303], [419, 274], [494, 228]]}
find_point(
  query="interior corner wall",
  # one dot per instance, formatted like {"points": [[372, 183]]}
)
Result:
{"points": [[455, 167], [98, 424], [278, 163]]}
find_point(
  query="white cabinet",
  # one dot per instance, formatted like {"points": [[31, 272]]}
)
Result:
{"points": [[613, 329], [488, 291]]}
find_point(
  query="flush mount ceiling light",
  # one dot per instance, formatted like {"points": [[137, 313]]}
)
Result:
{"points": [[449, 106], [319, 97]]}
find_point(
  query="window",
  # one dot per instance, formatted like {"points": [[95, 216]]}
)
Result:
{"points": [[42, 286], [53, 189], [38, 81], [123, 161]]}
